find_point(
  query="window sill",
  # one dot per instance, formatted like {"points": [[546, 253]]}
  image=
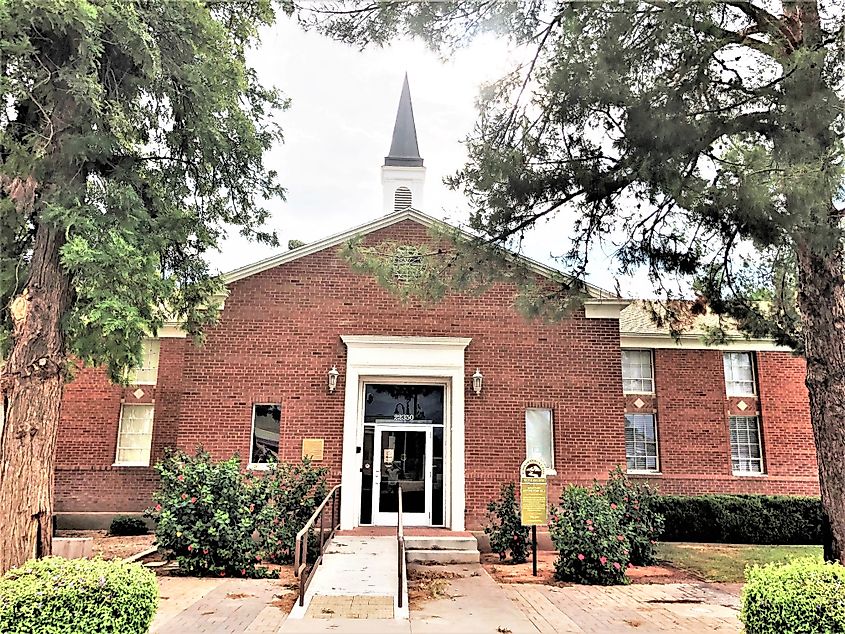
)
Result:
{"points": [[742, 396], [258, 466], [748, 474], [131, 464], [641, 473], [638, 393]]}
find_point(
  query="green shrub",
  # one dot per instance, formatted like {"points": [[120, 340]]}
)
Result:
{"points": [[803, 596], [587, 533], [205, 515], [507, 534], [286, 496], [126, 525], [641, 522], [741, 519], [68, 596]]}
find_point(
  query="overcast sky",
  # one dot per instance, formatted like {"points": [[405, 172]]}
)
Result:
{"points": [[338, 130]]}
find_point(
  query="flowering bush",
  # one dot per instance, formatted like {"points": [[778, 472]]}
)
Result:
{"points": [[588, 534], [507, 534], [205, 515], [287, 495], [641, 522]]}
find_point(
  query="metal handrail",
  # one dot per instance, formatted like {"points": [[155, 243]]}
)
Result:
{"points": [[400, 547], [300, 556]]}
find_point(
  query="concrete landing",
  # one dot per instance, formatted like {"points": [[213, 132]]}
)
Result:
{"points": [[357, 578]]}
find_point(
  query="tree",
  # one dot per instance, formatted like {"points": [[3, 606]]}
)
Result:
{"points": [[131, 135], [701, 140]]}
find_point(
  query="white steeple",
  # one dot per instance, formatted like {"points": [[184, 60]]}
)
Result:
{"points": [[403, 174]]}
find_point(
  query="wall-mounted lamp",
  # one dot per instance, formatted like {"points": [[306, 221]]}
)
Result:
{"points": [[477, 380], [333, 374]]}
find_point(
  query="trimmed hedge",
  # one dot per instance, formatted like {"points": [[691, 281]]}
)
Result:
{"points": [[67, 596], [128, 525], [741, 519], [804, 596]]}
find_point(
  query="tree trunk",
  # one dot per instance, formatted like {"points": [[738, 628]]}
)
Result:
{"points": [[821, 298], [32, 381]]}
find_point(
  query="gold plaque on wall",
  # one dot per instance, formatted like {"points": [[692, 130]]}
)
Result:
{"points": [[312, 448]]}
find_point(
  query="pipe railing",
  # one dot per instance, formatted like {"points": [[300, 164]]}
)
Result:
{"points": [[400, 548], [300, 556]]}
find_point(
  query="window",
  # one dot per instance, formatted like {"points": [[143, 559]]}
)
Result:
{"points": [[539, 439], [134, 436], [407, 263], [739, 374], [147, 373], [637, 372], [746, 449], [641, 442], [266, 421]]}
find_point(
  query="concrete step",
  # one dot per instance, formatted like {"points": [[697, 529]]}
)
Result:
{"points": [[440, 556], [446, 542]]}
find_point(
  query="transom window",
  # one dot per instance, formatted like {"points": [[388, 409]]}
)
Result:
{"points": [[746, 448], [134, 435], [266, 424], [147, 372], [539, 435], [739, 374], [641, 442], [637, 372]]}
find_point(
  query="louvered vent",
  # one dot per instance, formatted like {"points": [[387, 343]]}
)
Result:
{"points": [[401, 199]]}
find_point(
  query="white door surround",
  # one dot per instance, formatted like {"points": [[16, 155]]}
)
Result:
{"points": [[404, 359]]}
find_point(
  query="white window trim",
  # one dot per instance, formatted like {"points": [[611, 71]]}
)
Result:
{"points": [[550, 468], [116, 463], [653, 382], [261, 466], [658, 469], [752, 359], [132, 375], [748, 474]]}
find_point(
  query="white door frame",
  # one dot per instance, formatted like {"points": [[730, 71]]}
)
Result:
{"points": [[409, 519], [374, 358]]}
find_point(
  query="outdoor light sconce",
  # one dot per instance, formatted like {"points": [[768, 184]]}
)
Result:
{"points": [[333, 374], [477, 380]]}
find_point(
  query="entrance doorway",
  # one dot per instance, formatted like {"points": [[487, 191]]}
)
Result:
{"points": [[403, 446]]}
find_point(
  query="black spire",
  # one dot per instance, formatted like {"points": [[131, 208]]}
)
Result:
{"points": [[404, 151]]}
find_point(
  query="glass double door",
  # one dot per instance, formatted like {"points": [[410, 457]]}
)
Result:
{"points": [[402, 456]]}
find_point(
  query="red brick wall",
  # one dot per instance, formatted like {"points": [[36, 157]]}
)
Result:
{"points": [[280, 333]]}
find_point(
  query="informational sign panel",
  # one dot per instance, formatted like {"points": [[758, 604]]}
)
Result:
{"points": [[533, 493], [312, 448]]}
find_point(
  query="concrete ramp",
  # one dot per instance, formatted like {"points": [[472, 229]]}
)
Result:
{"points": [[358, 579]]}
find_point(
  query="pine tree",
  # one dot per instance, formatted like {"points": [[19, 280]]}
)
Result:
{"points": [[703, 140]]}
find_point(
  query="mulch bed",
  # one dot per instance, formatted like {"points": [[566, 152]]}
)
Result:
{"points": [[113, 547], [505, 572]]}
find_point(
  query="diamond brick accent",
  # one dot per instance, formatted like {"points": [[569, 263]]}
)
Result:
{"points": [[138, 393], [742, 406], [639, 403]]}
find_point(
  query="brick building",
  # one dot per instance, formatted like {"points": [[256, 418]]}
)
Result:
{"points": [[310, 357]]}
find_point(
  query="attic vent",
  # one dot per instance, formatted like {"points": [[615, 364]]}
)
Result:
{"points": [[407, 263], [401, 199]]}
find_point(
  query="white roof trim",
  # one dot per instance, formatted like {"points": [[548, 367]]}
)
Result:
{"points": [[375, 225], [696, 342]]}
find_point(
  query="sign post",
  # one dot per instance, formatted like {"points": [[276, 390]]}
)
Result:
{"points": [[533, 500]]}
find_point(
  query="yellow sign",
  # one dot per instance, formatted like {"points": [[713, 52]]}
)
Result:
{"points": [[533, 493], [312, 448]]}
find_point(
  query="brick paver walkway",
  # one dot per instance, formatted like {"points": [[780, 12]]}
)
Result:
{"points": [[218, 606], [642, 608]]}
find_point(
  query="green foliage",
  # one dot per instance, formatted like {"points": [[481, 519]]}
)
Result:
{"points": [[205, 515], [741, 519], [215, 519], [507, 534], [588, 534], [136, 131], [804, 596], [67, 596], [286, 496], [707, 134], [641, 521], [127, 525]]}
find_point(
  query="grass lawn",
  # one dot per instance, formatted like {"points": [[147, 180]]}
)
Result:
{"points": [[726, 562]]}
